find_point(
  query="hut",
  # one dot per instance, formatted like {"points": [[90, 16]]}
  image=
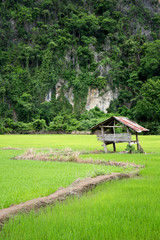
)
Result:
{"points": [[117, 130]]}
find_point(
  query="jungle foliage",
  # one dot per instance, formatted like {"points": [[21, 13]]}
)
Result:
{"points": [[88, 44]]}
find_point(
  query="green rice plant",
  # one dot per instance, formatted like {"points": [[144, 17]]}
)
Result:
{"points": [[78, 142], [121, 210], [96, 173], [22, 180], [115, 210]]}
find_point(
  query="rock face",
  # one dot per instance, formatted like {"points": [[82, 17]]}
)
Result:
{"points": [[70, 96], [100, 99], [48, 96], [58, 88], [95, 97], [149, 5], [67, 93]]}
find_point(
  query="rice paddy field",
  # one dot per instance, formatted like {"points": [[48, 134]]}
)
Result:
{"points": [[22, 180], [126, 209]]}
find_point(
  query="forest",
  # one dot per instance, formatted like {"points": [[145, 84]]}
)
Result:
{"points": [[43, 41]]}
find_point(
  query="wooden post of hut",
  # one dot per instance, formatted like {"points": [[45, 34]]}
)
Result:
{"points": [[114, 143], [108, 131], [128, 133], [138, 147], [103, 136]]}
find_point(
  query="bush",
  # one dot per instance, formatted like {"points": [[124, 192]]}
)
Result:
{"points": [[39, 125], [73, 125], [10, 126], [58, 124], [3, 129], [9, 123], [130, 148], [23, 127]]}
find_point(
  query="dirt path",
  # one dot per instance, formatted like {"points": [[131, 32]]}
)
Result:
{"points": [[77, 188]]}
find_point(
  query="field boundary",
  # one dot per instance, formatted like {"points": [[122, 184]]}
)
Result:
{"points": [[76, 188], [70, 157]]}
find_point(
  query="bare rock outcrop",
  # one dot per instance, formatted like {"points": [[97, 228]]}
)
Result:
{"points": [[100, 99]]}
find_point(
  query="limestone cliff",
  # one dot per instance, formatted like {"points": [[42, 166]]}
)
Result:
{"points": [[100, 99], [95, 97]]}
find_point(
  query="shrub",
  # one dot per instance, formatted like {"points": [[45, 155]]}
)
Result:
{"points": [[130, 148], [39, 125], [23, 127], [58, 124], [3, 129]]}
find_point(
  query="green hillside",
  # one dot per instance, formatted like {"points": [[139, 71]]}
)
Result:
{"points": [[97, 44]]}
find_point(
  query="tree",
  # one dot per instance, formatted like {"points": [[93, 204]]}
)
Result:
{"points": [[150, 63], [46, 111], [148, 108], [24, 108]]}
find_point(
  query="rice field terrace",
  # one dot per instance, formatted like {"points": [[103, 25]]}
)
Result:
{"points": [[125, 209]]}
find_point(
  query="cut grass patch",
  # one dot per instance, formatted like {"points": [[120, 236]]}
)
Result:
{"points": [[69, 156]]}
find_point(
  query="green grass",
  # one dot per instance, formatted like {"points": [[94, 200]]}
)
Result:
{"points": [[123, 210], [22, 180], [85, 142], [53, 141], [119, 210]]}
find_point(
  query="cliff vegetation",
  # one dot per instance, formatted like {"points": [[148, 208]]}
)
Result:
{"points": [[94, 44]]}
